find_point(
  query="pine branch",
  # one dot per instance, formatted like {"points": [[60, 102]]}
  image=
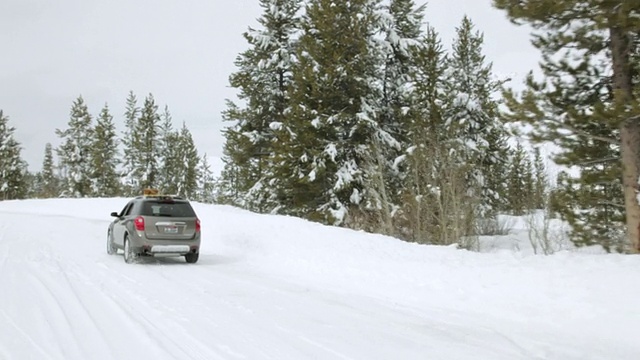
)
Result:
{"points": [[584, 133], [599, 161], [610, 203], [633, 118]]}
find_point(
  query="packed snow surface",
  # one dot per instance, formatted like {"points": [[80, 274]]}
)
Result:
{"points": [[272, 287]]}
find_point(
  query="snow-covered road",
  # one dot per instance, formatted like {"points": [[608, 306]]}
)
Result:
{"points": [[270, 287]]}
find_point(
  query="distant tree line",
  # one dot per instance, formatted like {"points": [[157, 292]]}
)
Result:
{"points": [[353, 114], [90, 162]]}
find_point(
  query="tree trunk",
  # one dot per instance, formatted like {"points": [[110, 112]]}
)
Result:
{"points": [[629, 133]]}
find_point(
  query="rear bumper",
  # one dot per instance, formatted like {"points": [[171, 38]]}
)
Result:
{"points": [[152, 250], [180, 249], [145, 246]]}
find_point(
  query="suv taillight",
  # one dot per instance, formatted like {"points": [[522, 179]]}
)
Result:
{"points": [[139, 223], [198, 225]]}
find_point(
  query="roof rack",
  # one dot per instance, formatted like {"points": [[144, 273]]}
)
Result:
{"points": [[155, 193]]}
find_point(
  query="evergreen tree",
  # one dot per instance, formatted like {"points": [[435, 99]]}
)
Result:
{"points": [[263, 79], [587, 102], [188, 185], [403, 35], [540, 181], [473, 115], [229, 183], [323, 146], [425, 159], [147, 145], [173, 163], [401, 22], [130, 139], [104, 157], [49, 181], [75, 151], [33, 185], [206, 182], [520, 182], [436, 207], [495, 172], [181, 170], [168, 149], [13, 170], [592, 202]]}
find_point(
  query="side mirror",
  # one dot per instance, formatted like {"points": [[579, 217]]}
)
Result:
{"points": [[115, 214]]}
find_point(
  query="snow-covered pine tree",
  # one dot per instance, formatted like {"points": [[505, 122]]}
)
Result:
{"points": [[104, 157], [401, 23], [12, 168], [206, 181], [188, 184], [540, 181], [33, 184], [473, 114], [324, 144], [131, 155], [180, 163], [263, 78], [432, 184], [520, 182], [75, 151], [50, 182], [168, 148], [147, 145], [173, 166], [495, 171], [403, 34]]}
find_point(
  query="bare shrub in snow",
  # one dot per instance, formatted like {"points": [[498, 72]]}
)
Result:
{"points": [[547, 235], [494, 226]]}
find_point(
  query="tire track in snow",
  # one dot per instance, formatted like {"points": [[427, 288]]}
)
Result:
{"points": [[152, 333], [189, 349], [25, 335], [65, 325], [132, 317], [50, 275], [83, 306], [291, 292], [205, 307], [77, 310], [8, 284]]}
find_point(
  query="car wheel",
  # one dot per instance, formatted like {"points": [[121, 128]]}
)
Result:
{"points": [[129, 255], [111, 249], [192, 258]]}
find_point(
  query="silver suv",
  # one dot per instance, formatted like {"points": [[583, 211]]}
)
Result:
{"points": [[153, 225]]}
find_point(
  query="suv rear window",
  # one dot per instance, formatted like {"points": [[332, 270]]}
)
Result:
{"points": [[167, 209]]}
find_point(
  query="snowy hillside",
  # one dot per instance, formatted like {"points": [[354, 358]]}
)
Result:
{"points": [[269, 287]]}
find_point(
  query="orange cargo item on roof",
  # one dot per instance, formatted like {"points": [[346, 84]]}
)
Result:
{"points": [[150, 192]]}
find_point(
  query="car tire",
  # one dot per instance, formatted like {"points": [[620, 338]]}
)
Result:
{"points": [[129, 255], [192, 258], [111, 248]]}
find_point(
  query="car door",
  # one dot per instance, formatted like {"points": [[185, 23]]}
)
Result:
{"points": [[119, 225]]}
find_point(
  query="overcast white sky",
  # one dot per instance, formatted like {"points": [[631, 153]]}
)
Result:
{"points": [[182, 51]]}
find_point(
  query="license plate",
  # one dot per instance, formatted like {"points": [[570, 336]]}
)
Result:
{"points": [[171, 229]]}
